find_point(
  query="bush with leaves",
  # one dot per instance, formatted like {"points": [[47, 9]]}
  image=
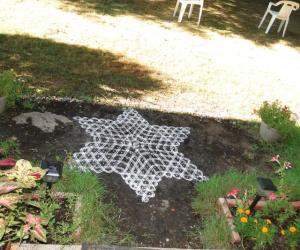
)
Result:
{"points": [[12, 88], [279, 117]]}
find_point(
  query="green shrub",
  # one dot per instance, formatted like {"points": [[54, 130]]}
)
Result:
{"points": [[10, 87], [278, 117]]}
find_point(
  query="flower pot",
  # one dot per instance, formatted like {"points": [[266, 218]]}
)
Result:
{"points": [[268, 134], [2, 103]]}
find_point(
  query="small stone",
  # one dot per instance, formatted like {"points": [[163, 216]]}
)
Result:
{"points": [[44, 121]]}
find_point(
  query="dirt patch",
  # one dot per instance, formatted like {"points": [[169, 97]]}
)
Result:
{"points": [[214, 145]]}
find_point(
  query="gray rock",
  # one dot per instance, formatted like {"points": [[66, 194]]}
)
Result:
{"points": [[44, 121]]}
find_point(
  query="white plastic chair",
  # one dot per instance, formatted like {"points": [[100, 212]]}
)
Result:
{"points": [[184, 4], [283, 14]]}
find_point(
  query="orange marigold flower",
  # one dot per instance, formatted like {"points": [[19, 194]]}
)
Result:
{"points": [[247, 212], [264, 230], [244, 220], [282, 232], [293, 229], [268, 221], [240, 210]]}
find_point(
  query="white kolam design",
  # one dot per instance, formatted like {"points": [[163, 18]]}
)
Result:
{"points": [[141, 153]]}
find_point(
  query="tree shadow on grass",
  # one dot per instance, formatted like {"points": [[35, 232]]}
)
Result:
{"points": [[231, 17], [75, 71]]}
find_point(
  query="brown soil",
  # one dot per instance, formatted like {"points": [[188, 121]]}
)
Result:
{"points": [[213, 145]]}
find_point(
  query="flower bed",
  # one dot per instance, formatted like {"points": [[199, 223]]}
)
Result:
{"points": [[28, 212], [275, 222]]}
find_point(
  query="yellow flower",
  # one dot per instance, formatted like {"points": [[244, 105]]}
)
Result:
{"points": [[240, 210], [244, 220], [282, 232], [247, 212], [264, 230], [255, 221], [269, 221], [293, 229]]}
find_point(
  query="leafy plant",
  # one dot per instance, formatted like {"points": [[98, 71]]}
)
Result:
{"points": [[279, 117], [12, 88], [283, 167], [277, 219], [22, 214]]}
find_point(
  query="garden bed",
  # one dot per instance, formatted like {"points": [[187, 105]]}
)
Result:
{"points": [[214, 145], [65, 216], [226, 206]]}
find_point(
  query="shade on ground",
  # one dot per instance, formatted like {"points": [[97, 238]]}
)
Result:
{"points": [[205, 71]]}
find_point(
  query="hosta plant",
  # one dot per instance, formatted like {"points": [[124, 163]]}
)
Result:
{"points": [[25, 210]]}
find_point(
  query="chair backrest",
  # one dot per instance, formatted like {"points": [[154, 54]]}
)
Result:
{"points": [[287, 8]]}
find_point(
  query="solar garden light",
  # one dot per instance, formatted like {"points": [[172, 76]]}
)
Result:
{"points": [[265, 187], [54, 171]]}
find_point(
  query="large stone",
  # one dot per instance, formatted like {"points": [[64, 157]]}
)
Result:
{"points": [[44, 121]]}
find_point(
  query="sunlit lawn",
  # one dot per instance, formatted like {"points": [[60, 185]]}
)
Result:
{"points": [[135, 53]]}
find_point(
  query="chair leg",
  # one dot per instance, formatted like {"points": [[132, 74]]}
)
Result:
{"points": [[280, 26], [270, 24], [191, 10], [182, 10], [263, 19], [285, 26], [176, 8], [200, 13]]}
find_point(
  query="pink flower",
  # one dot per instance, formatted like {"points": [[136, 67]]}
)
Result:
{"points": [[234, 192], [272, 196], [285, 108], [287, 165], [275, 158]]}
